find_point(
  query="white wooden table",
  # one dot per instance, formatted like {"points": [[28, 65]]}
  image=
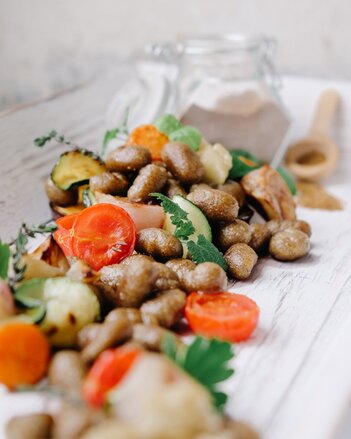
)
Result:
{"points": [[293, 378]]}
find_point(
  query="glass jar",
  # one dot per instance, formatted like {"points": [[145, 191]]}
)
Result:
{"points": [[225, 85]]}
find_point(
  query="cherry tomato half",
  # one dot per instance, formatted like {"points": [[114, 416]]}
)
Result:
{"points": [[223, 315], [63, 235], [103, 234], [107, 371]]}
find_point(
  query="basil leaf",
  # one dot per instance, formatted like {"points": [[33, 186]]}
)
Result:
{"points": [[167, 124], [188, 135], [243, 162]]}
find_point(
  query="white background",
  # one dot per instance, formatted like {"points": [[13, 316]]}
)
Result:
{"points": [[46, 45]]}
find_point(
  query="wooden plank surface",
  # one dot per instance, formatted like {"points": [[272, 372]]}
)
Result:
{"points": [[293, 377]]}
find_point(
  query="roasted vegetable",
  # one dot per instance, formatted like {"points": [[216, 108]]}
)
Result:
{"points": [[216, 161], [267, 187], [69, 306], [74, 168]]}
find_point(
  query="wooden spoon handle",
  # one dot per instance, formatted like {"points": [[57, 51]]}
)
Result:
{"points": [[326, 108]]}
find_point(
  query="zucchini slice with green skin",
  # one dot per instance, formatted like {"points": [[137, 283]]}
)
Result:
{"points": [[200, 223], [69, 305], [74, 168], [33, 308]]}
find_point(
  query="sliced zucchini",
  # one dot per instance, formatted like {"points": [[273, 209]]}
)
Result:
{"points": [[200, 223], [69, 305], [32, 307], [74, 168]]}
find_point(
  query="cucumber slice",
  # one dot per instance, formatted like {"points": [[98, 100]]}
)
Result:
{"points": [[74, 168], [200, 223], [69, 305]]}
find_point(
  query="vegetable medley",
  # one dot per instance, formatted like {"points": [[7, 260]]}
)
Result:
{"points": [[145, 240]]}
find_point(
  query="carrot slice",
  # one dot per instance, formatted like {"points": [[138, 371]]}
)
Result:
{"points": [[149, 137], [24, 354]]}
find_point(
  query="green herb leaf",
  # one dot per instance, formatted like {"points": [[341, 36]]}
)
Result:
{"points": [[4, 260], [49, 227], [20, 244], [167, 124], [288, 180], [53, 135], [243, 162], [204, 251], [188, 135], [178, 217], [206, 361]]}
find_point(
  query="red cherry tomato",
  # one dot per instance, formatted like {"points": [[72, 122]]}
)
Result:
{"points": [[63, 235], [107, 371], [223, 315], [103, 234]]}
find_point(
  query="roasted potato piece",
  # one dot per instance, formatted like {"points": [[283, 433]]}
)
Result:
{"points": [[173, 187], [113, 183], [58, 196], [152, 337], [260, 236], [67, 370], [159, 244], [241, 260], [151, 178], [233, 188], [183, 163], [132, 314], [165, 309], [182, 268], [110, 333], [206, 276], [37, 426], [129, 284], [233, 233], [266, 186], [216, 205], [129, 158], [166, 279], [278, 226], [72, 420], [289, 245]]}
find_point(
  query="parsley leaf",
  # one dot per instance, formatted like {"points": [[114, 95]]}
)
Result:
{"points": [[206, 361], [4, 260], [204, 251], [178, 217]]}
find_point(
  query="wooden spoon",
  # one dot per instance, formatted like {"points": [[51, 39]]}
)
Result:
{"points": [[316, 156]]}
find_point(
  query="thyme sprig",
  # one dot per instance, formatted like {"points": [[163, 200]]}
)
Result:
{"points": [[120, 133], [20, 244], [53, 135]]}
